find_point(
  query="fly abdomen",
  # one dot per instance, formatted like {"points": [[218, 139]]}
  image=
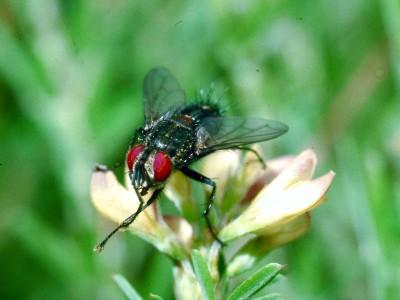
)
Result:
{"points": [[200, 111]]}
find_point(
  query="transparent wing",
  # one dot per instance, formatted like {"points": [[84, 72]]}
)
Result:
{"points": [[232, 132], [161, 92]]}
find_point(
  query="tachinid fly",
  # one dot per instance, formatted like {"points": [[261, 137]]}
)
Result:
{"points": [[176, 134]]}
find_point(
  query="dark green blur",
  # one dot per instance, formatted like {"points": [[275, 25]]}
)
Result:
{"points": [[70, 95]]}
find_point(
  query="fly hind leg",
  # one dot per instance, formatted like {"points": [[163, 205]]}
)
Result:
{"points": [[205, 180], [259, 158]]}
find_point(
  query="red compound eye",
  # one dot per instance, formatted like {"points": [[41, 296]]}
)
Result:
{"points": [[132, 155], [162, 166]]}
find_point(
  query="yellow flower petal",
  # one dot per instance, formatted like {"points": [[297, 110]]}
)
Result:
{"points": [[116, 203], [254, 182], [286, 233], [240, 263], [252, 167], [300, 169], [186, 286], [182, 229], [267, 240], [274, 207], [221, 166]]}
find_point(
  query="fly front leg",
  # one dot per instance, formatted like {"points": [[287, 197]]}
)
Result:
{"points": [[205, 180], [142, 206]]}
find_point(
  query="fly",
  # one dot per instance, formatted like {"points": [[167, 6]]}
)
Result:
{"points": [[176, 134]]}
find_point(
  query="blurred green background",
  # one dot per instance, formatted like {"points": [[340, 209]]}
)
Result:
{"points": [[70, 95]]}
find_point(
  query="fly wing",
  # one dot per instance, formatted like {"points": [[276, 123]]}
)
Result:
{"points": [[233, 132], [161, 92]]}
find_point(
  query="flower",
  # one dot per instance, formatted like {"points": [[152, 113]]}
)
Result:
{"points": [[275, 202], [117, 202], [280, 210], [270, 206]]}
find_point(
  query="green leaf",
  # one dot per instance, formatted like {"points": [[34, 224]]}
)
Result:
{"points": [[203, 275], [256, 282], [156, 297], [126, 287], [273, 296]]}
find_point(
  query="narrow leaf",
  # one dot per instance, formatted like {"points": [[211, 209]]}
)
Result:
{"points": [[273, 296], [155, 297], [256, 282], [203, 275], [126, 287]]}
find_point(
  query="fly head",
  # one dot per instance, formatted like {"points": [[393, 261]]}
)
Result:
{"points": [[148, 168]]}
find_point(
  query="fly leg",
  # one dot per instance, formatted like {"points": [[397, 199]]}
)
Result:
{"points": [[259, 158], [130, 219], [205, 180]]}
